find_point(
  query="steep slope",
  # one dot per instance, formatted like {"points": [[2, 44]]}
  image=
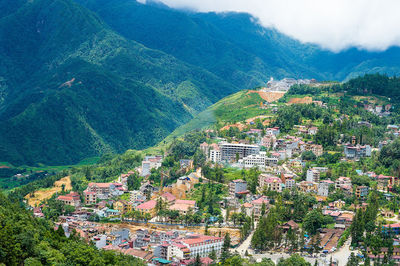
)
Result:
{"points": [[71, 88]]}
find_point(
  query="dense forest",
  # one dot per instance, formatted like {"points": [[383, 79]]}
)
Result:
{"points": [[30, 241]]}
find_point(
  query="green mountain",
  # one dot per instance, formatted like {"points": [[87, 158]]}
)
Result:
{"points": [[72, 88], [234, 46], [85, 77]]}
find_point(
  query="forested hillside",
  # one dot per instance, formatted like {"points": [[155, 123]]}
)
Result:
{"points": [[78, 79], [71, 88], [25, 240]]}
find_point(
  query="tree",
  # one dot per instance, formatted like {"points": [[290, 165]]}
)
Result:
{"points": [[308, 156], [263, 209], [225, 254], [295, 259], [313, 221]]}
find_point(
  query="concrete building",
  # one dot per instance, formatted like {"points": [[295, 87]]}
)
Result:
{"points": [[313, 175], [203, 245], [215, 155], [230, 151], [271, 182], [362, 192], [237, 186], [149, 163], [254, 160], [90, 197], [357, 152], [72, 199]]}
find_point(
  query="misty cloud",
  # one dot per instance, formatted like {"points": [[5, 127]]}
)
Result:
{"points": [[335, 25]]}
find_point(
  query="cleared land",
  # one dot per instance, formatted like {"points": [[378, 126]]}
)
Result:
{"points": [[269, 96], [40, 195]]}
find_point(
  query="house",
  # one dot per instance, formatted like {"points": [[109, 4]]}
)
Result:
{"points": [[123, 206], [136, 195], [168, 198], [290, 225], [268, 142], [272, 183], [386, 183], [318, 150], [362, 192], [339, 204], [147, 207], [257, 205], [150, 162], [103, 190], [72, 199], [323, 188], [308, 187], [312, 130], [183, 206], [186, 164], [342, 181], [237, 186], [90, 197], [356, 152]]}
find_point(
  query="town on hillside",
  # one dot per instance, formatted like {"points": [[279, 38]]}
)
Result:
{"points": [[308, 175]]}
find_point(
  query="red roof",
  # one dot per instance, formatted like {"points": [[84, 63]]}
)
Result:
{"points": [[102, 185], [260, 200], [151, 204], [168, 196], [200, 239]]}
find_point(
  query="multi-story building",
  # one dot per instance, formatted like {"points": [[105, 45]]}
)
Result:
{"points": [[72, 199], [203, 245], [313, 175], [257, 206], [149, 163], [215, 155], [136, 195], [230, 151], [308, 187], [122, 206], [356, 152], [237, 186], [271, 182], [323, 188], [268, 141], [386, 183], [105, 190], [362, 192], [147, 207], [342, 181], [290, 183], [318, 150], [254, 160], [90, 197]]}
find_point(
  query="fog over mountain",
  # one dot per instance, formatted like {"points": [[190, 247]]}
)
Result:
{"points": [[335, 25]]}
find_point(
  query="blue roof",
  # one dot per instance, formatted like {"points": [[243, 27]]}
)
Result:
{"points": [[163, 261]]}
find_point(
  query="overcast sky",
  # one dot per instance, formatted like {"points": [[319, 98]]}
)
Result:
{"points": [[333, 24]]}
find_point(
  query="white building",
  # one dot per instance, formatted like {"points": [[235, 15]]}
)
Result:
{"points": [[313, 175], [149, 163], [215, 156], [323, 189], [254, 160]]}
